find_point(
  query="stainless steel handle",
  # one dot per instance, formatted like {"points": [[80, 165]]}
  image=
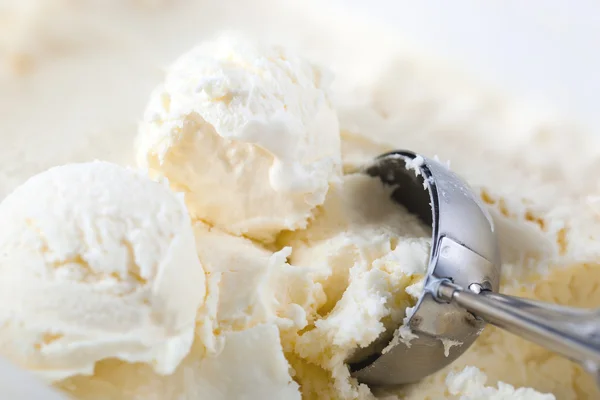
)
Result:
{"points": [[572, 332]]}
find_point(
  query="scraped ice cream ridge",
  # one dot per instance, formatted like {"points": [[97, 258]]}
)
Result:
{"points": [[247, 258]]}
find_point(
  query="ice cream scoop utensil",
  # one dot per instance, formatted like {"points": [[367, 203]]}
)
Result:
{"points": [[460, 291]]}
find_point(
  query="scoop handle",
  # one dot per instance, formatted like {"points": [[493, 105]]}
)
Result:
{"points": [[572, 332]]}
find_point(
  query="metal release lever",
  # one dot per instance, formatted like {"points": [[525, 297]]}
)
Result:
{"points": [[572, 332]]}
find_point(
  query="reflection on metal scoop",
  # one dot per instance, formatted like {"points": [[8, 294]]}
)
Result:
{"points": [[460, 292]]}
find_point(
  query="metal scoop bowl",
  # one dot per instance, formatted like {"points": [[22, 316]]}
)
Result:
{"points": [[460, 290]]}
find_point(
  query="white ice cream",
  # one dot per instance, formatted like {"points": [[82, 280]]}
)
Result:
{"points": [[96, 262], [470, 384], [255, 304], [247, 132], [372, 250]]}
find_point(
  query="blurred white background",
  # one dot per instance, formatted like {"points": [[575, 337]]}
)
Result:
{"points": [[544, 50]]}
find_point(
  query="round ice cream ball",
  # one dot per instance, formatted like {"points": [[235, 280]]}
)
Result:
{"points": [[96, 262], [247, 132]]}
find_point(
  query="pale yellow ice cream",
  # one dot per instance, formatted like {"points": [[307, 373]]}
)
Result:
{"points": [[525, 165], [247, 132], [254, 296], [373, 250], [96, 262]]}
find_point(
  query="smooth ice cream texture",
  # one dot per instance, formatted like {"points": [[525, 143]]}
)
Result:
{"points": [[247, 131], [470, 384], [97, 262], [278, 337]]}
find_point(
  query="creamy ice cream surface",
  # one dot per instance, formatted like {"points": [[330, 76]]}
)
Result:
{"points": [[469, 384], [288, 261], [373, 251], [98, 262], [247, 132]]}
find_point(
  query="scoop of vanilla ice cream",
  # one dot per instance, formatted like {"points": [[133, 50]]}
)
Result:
{"points": [[247, 132], [96, 262], [256, 302], [374, 252]]}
